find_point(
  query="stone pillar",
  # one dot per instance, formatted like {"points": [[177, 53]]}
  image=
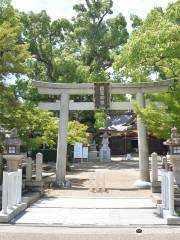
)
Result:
{"points": [[29, 169], [144, 181], [1, 167], [171, 192], [5, 192], [39, 161], [154, 166], [62, 138]]}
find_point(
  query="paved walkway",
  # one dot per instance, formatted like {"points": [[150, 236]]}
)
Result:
{"points": [[121, 205], [95, 212]]}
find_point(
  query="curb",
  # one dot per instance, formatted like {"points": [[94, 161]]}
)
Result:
{"points": [[27, 200]]}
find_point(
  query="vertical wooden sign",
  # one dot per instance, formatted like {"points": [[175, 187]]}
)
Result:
{"points": [[102, 95]]}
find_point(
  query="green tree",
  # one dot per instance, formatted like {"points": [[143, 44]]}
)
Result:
{"points": [[153, 48], [97, 36], [52, 59], [77, 132], [76, 51], [13, 53], [35, 127], [100, 119], [160, 119], [39, 36]]}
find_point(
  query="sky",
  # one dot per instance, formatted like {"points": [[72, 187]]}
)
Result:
{"points": [[64, 8]]}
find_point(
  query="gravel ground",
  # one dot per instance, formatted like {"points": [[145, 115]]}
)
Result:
{"points": [[120, 177]]}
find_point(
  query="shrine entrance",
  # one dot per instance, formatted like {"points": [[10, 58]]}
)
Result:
{"points": [[102, 93]]}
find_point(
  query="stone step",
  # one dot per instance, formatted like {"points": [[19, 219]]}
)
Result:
{"points": [[95, 203]]}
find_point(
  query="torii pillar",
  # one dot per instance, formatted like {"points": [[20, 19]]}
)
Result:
{"points": [[62, 138], [144, 181]]}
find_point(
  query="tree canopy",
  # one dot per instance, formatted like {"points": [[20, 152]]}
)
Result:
{"points": [[13, 53], [153, 48], [77, 50], [18, 102]]}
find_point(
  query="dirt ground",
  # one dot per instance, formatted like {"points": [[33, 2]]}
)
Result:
{"points": [[120, 176]]}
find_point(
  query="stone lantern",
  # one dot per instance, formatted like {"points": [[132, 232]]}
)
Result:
{"points": [[12, 154], [105, 152], [174, 153]]}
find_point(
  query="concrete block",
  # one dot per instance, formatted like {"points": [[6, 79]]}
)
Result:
{"points": [[156, 187], [31, 197], [27, 200], [5, 218], [171, 220]]}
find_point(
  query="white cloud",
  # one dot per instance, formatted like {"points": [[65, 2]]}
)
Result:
{"points": [[139, 7], [55, 8], [64, 8]]}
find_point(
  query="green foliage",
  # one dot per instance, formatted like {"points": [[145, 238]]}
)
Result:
{"points": [[1, 150], [100, 119], [77, 132], [26, 118], [77, 51], [13, 53], [96, 37], [160, 119], [29, 120], [24, 90], [154, 47], [136, 21]]}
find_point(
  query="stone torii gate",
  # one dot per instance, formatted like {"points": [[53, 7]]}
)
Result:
{"points": [[64, 90]]}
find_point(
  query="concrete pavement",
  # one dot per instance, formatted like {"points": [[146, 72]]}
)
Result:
{"points": [[95, 212], [10, 232]]}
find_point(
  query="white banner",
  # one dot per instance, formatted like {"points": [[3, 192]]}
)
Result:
{"points": [[85, 152], [78, 150]]}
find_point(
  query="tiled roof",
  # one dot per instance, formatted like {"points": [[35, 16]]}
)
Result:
{"points": [[122, 122]]}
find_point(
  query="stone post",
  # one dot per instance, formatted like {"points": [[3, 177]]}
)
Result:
{"points": [[19, 199], [29, 169], [144, 181], [5, 192], [164, 162], [154, 167], [10, 189], [1, 167], [39, 161], [163, 190], [171, 192], [62, 138]]}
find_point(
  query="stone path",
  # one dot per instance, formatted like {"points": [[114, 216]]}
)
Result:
{"points": [[95, 212], [121, 205]]}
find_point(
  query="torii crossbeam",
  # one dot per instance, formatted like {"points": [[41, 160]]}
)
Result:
{"points": [[64, 90]]}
